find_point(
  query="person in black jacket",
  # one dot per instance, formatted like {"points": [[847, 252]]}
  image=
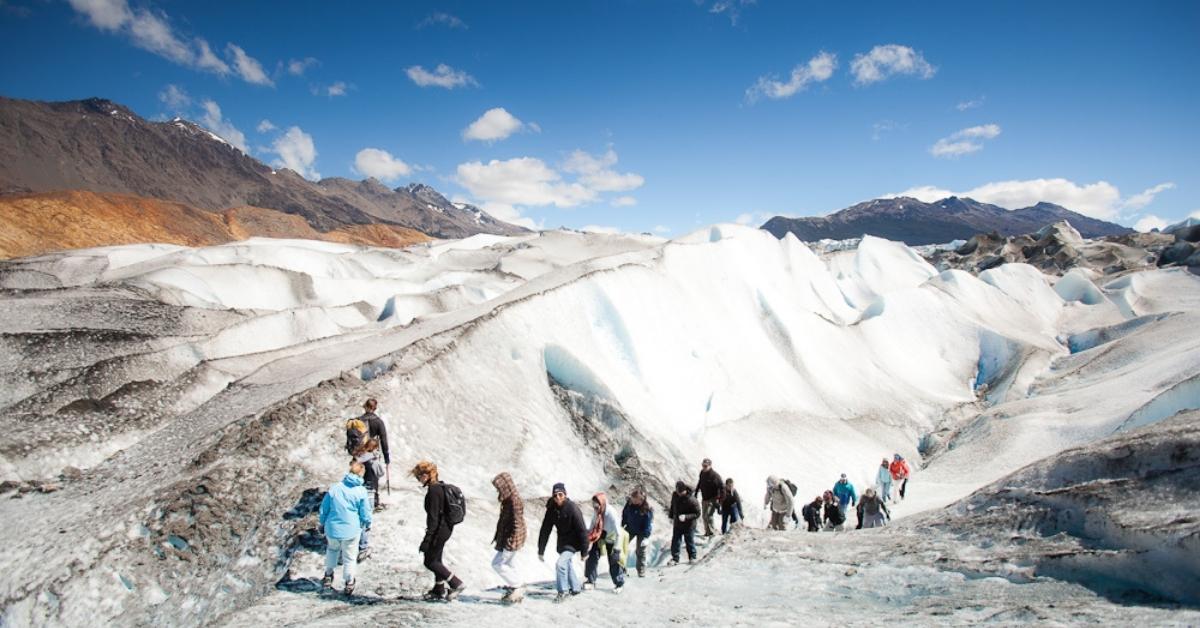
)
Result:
{"points": [[684, 513], [376, 430], [834, 517], [731, 507], [812, 514], [563, 516], [437, 532], [711, 489]]}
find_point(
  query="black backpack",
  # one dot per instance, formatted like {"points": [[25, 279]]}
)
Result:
{"points": [[455, 505], [790, 486]]}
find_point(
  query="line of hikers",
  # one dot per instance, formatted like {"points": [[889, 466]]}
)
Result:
{"points": [[346, 509]]}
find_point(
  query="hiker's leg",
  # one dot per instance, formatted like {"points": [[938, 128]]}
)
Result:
{"points": [[433, 559], [349, 559], [690, 537], [332, 550], [641, 554], [708, 507], [502, 563], [676, 539], [592, 564], [615, 570]]}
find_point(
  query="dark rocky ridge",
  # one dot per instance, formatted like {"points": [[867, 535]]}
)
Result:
{"points": [[101, 146], [916, 223]]}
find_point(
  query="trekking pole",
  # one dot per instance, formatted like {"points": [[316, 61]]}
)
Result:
{"points": [[388, 471]]}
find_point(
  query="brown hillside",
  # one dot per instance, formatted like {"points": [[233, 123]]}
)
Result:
{"points": [[33, 224]]}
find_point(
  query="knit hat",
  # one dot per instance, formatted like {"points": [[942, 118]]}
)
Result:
{"points": [[559, 487], [681, 486]]}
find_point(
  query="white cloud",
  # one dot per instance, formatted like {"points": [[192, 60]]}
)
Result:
{"points": [[247, 67], [337, 89], [752, 219], [1140, 201], [296, 150], [890, 60], [596, 172], [445, 19], [623, 201], [442, 76], [969, 104], [964, 142], [1195, 214], [297, 67], [818, 69], [731, 8], [600, 229], [152, 33], [107, 15], [521, 181], [661, 229], [378, 163], [883, 127], [511, 215], [494, 125], [1098, 200], [208, 60], [266, 126], [215, 122], [175, 98], [1149, 223]]}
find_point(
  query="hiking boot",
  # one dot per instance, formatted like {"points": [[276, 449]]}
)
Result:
{"points": [[691, 559], [454, 591], [589, 585], [436, 594], [350, 588], [618, 589], [641, 573], [327, 581], [365, 554], [674, 561], [562, 595], [513, 595]]}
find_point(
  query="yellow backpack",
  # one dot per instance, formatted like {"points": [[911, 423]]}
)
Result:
{"points": [[356, 435]]}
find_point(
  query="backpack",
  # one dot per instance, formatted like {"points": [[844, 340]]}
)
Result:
{"points": [[791, 487], [356, 435], [455, 505]]}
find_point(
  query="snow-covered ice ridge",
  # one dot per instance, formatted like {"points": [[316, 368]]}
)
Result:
{"points": [[197, 394]]}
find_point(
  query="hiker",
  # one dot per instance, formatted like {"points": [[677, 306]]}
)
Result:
{"points": [[438, 528], [858, 512], [638, 520], [731, 507], [566, 519], [710, 488], [779, 499], [604, 536], [900, 472], [376, 431], [874, 510], [345, 513], [883, 480], [791, 486], [834, 517], [510, 537], [812, 514], [844, 491], [684, 512]]}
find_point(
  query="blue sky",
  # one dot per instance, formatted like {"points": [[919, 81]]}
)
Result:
{"points": [[661, 115]]}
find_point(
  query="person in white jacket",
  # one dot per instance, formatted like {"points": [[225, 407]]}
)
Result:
{"points": [[604, 535]]}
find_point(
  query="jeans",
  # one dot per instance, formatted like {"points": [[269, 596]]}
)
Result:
{"points": [[730, 515], [502, 563], [640, 552], [709, 507], [592, 567], [363, 539], [347, 549], [685, 533], [885, 491], [565, 578]]}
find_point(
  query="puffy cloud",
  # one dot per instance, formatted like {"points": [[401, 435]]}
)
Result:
{"points": [[1098, 200], [964, 142], [1195, 214], [247, 67], [378, 163], [596, 172], [175, 98], [442, 76], [494, 125], [752, 218], [296, 151], [152, 31], [444, 19], [297, 67], [215, 122], [521, 181], [266, 126], [889, 60], [1149, 223], [623, 201], [1140, 201], [337, 89], [818, 69], [969, 104], [600, 229]]}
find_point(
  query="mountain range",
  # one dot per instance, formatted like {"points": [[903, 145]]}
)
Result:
{"points": [[100, 146], [915, 223]]}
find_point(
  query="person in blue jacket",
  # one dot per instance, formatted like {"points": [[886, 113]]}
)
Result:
{"points": [[345, 514], [638, 520], [843, 490]]}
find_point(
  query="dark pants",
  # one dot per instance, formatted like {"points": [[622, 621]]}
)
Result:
{"points": [[730, 515], [591, 567], [433, 560], [371, 481], [687, 534], [708, 508], [640, 552], [903, 485]]}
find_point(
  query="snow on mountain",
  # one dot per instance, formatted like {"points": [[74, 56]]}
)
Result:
{"points": [[207, 389]]}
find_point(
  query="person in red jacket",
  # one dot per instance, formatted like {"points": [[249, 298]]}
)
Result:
{"points": [[900, 471]]}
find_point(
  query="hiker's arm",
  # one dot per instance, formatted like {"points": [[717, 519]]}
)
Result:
{"points": [[544, 533], [433, 514], [383, 440], [324, 511]]}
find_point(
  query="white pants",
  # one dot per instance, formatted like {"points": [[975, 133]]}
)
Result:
{"points": [[502, 563], [348, 550]]}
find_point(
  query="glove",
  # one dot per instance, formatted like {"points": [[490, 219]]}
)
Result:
{"points": [[682, 518], [424, 547]]}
